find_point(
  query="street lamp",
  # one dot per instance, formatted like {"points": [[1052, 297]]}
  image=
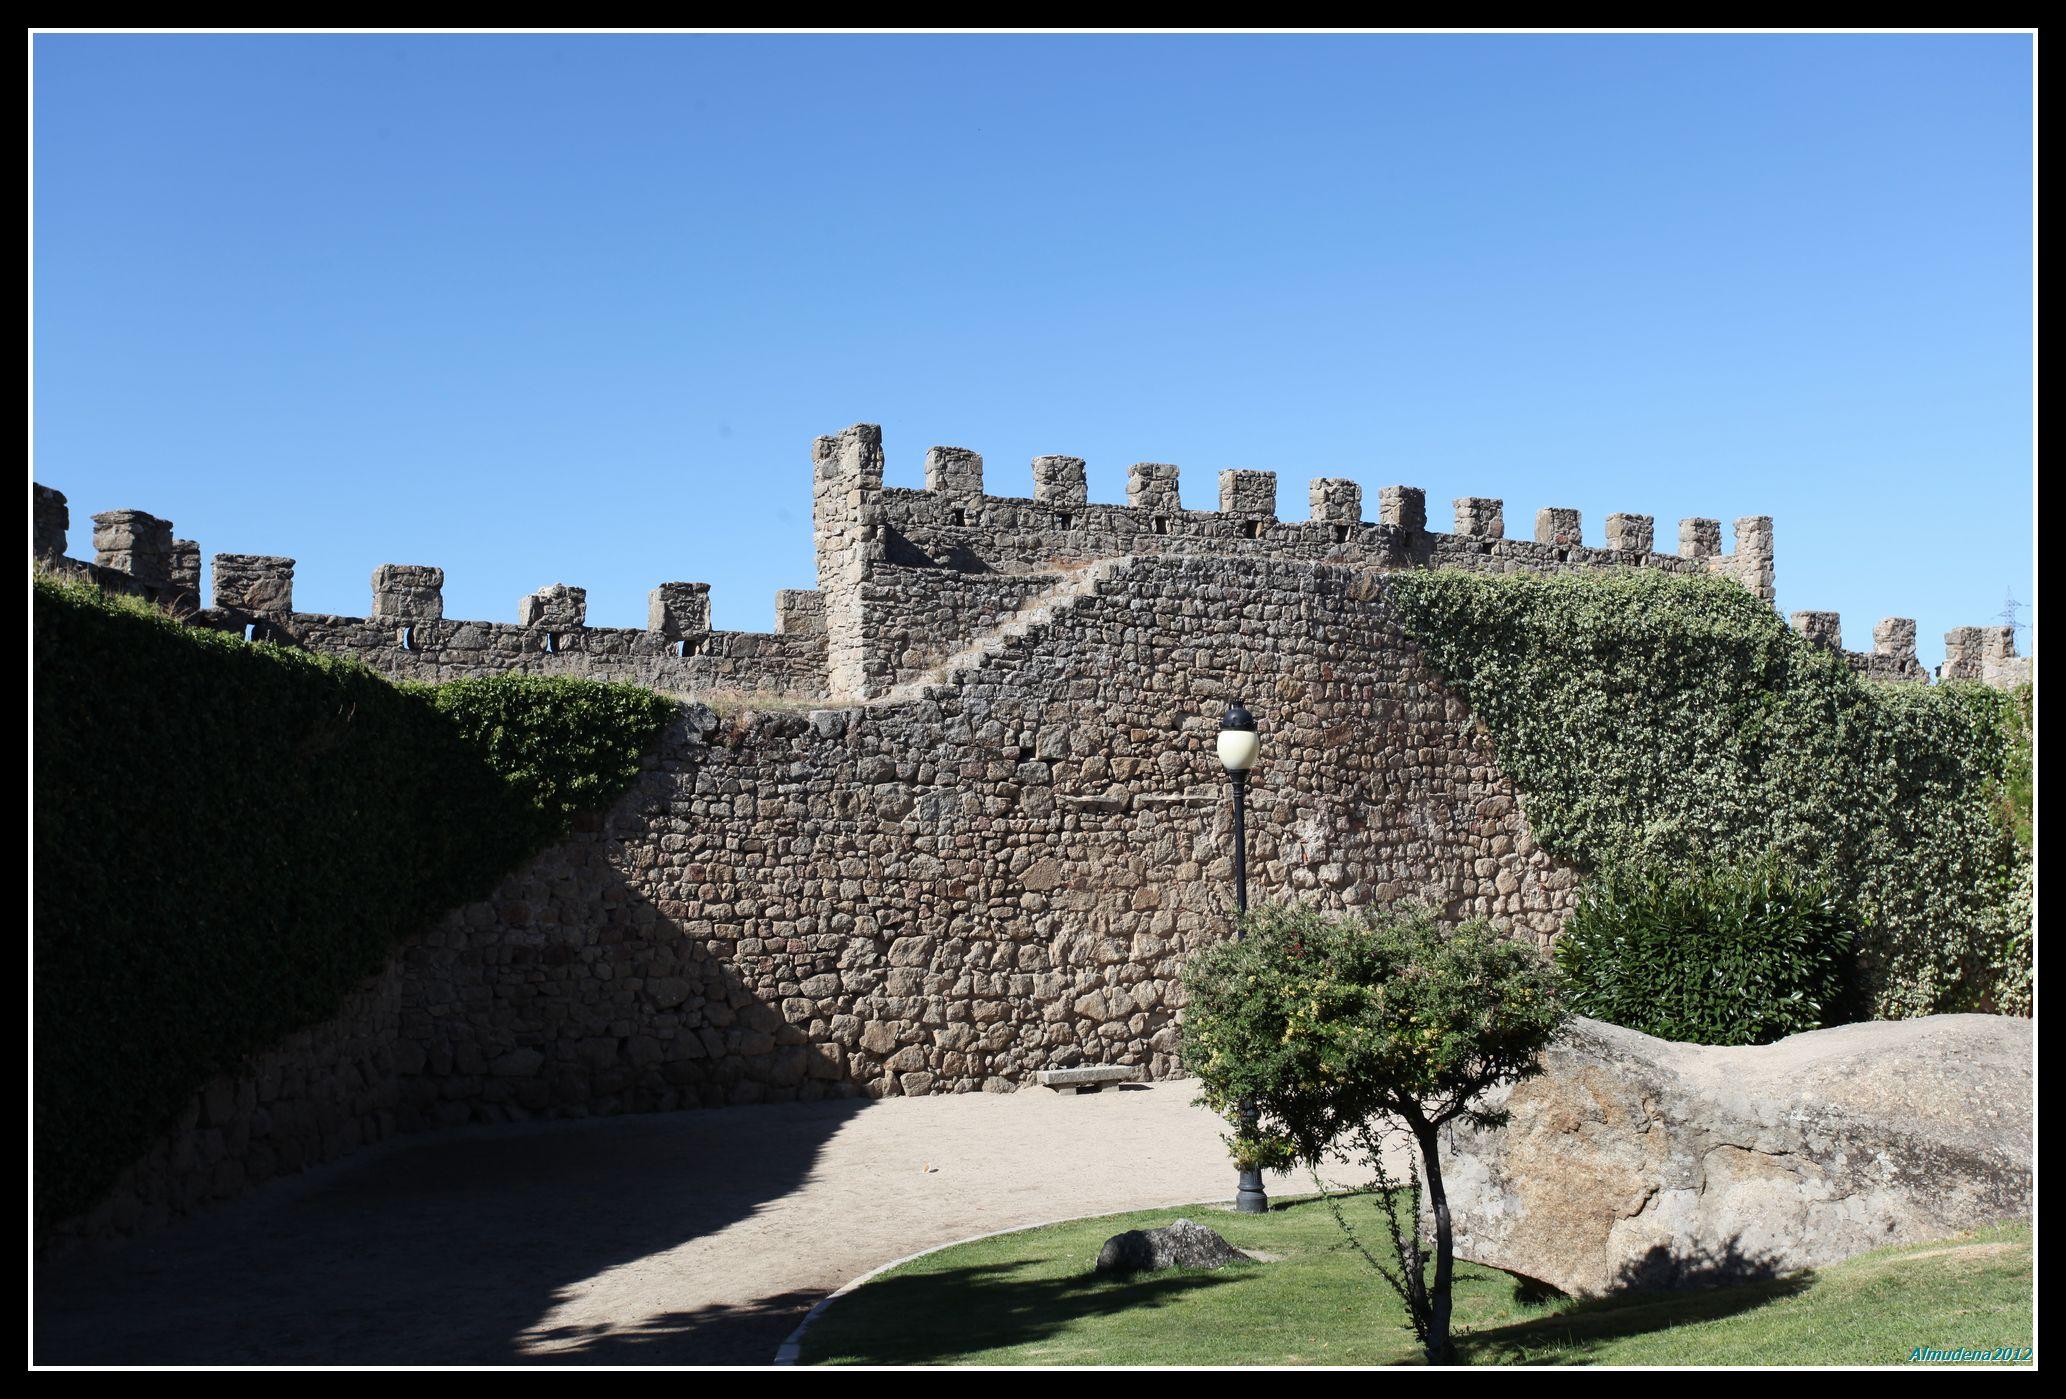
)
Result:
{"points": [[1238, 749]]}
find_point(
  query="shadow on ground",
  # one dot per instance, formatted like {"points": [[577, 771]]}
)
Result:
{"points": [[899, 1320], [446, 1250], [457, 1246], [1664, 1288], [720, 1334], [945, 1316]]}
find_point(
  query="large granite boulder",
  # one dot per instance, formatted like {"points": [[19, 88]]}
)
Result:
{"points": [[1635, 1162]]}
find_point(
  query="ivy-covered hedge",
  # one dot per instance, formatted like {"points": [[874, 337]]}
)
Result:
{"points": [[1665, 723], [229, 837]]}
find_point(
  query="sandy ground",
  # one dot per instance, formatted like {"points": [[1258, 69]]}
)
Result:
{"points": [[683, 1238]]}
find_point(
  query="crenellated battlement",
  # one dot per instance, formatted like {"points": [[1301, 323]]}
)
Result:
{"points": [[134, 553], [1986, 654], [910, 577], [955, 523], [406, 634]]}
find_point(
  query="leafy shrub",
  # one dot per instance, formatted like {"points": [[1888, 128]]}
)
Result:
{"points": [[561, 745], [1676, 724], [229, 837], [1334, 1026], [1729, 957]]}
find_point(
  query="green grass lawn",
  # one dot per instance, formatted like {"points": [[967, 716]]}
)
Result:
{"points": [[1031, 1298]]}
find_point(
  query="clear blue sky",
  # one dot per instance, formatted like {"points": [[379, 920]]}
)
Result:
{"points": [[545, 309]]}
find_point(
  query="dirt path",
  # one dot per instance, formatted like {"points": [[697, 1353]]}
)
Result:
{"points": [[685, 1238]]}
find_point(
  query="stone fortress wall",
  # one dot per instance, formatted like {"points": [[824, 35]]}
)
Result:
{"points": [[910, 579], [989, 855], [406, 635]]}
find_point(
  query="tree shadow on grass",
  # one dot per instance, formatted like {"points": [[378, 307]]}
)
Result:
{"points": [[719, 1334], [1663, 1288], [943, 1317]]}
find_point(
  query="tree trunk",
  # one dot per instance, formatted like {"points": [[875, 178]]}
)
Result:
{"points": [[1439, 1349]]}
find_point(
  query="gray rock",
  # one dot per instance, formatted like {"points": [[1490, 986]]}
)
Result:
{"points": [[1179, 1245], [1635, 1162]]}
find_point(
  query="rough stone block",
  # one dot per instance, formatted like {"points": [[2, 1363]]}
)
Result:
{"points": [[1894, 636], [679, 610], [1974, 645], [1152, 485], [556, 605], [1336, 499], [1820, 628], [1962, 643], [134, 542], [1251, 494], [1700, 539], [799, 612], [851, 457], [128, 530], [1059, 481], [408, 592], [1087, 1079], [1754, 535], [185, 567], [1557, 525], [1481, 517], [257, 583], [1636, 534], [954, 471], [1403, 507], [53, 518]]}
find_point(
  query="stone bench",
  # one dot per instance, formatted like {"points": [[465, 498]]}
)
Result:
{"points": [[1085, 1080]]}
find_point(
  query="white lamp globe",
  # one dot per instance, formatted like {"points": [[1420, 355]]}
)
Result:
{"points": [[1239, 746]]}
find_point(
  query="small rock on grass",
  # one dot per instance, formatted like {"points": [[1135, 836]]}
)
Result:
{"points": [[1179, 1245]]}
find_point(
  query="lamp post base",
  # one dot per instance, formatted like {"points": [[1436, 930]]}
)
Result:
{"points": [[1249, 1197]]}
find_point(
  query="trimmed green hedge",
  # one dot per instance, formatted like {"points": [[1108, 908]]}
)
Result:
{"points": [[1673, 724], [1728, 957], [229, 837]]}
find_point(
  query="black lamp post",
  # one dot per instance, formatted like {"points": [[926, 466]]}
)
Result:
{"points": [[1238, 749]]}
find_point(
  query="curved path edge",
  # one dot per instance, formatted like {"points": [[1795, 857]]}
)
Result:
{"points": [[791, 1350]]}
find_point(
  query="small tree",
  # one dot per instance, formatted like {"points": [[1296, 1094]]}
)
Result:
{"points": [[1342, 1028]]}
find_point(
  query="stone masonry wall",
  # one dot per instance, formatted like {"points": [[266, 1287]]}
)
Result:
{"points": [[985, 851], [910, 576], [713, 662], [1001, 871], [917, 618], [406, 635], [1986, 654], [1892, 659], [909, 579], [1001, 874], [319, 1094]]}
